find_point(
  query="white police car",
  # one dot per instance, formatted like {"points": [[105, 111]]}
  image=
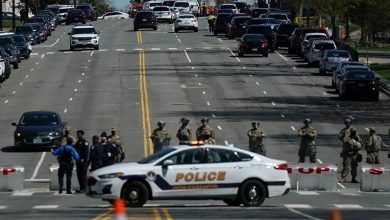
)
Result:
{"points": [[193, 172]]}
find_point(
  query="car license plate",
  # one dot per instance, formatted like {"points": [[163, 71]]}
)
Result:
{"points": [[143, 19], [85, 43], [37, 140], [361, 84], [254, 49]]}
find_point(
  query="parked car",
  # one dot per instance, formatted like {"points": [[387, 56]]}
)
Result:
{"points": [[9, 45], [253, 44], [316, 50], [359, 83], [297, 38], [151, 4], [7, 62], [40, 32], [305, 41], [62, 13], [331, 58], [345, 69], [38, 128], [283, 33], [339, 67], [28, 32], [114, 15], [23, 45], [229, 6], [145, 19]]}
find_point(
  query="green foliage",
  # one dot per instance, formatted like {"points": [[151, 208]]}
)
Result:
{"points": [[382, 69]]}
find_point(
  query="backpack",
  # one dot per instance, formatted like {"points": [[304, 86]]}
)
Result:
{"points": [[65, 156]]}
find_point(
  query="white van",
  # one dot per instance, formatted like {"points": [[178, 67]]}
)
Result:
{"points": [[151, 4], [183, 6]]}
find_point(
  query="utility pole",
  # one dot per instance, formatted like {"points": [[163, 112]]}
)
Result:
{"points": [[13, 14], [1, 16]]}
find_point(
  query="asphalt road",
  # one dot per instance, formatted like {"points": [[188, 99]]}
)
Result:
{"points": [[190, 75]]}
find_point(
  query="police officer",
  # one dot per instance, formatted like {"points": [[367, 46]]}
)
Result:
{"points": [[373, 145], [351, 156], [205, 132], [67, 131], [160, 137], [308, 137], [184, 134], [110, 152], [65, 154], [115, 139], [256, 135], [211, 20], [96, 154], [82, 148]]}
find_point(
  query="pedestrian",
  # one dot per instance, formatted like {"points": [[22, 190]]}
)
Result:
{"points": [[205, 132], [184, 134], [67, 131], [351, 156], [110, 152], [308, 136], [66, 154], [115, 139], [95, 159], [82, 148], [373, 145], [160, 137], [256, 135]]}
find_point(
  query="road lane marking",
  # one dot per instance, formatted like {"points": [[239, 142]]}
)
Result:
{"points": [[298, 206], [155, 49], [22, 193], [220, 40], [234, 55], [82, 74], [89, 60], [139, 37], [26, 76], [351, 117], [172, 48], [156, 214], [338, 106], [265, 92], [52, 45], [207, 103], [75, 90], [65, 110], [293, 128], [244, 67], [294, 68], [39, 164], [273, 103], [49, 53], [79, 81], [204, 92], [302, 214], [283, 116], [45, 207], [103, 215], [207, 48], [92, 53], [179, 40], [324, 93], [32, 69], [188, 57], [103, 50], [284, 58], [250, 75], [42, 56], [68, 52], [348, 206], [341, 185], [226, 143], [3, 206], [37, 63], [34, 54], [319, 161], [257, 83], [212, 115], [192, 68], [199, 84], [196, 75], [20, 84], [70, 99], [308, 193], [219, 127], [167, 215], [6, 101], [13, 92], [188, 48], [367, 129]]}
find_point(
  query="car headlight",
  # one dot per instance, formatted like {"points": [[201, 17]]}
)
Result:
{"points": [[94, 37], [111, 175], [18, 134], [54, 133]]}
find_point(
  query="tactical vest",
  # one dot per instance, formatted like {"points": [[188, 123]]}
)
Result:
{"points": [[66, 156]]}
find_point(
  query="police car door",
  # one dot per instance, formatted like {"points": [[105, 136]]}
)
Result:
{"points": [[182, 178], [225, 171]]}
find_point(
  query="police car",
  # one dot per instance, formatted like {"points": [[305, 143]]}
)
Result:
{"points": [[193, 172], [83, 36]]}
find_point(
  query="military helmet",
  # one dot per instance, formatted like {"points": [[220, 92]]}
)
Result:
{"points": [[347, 121], [160, 123], [67, 128], [204, 120], [255, 123], [184, 120], [307, 121], [372, 130]]}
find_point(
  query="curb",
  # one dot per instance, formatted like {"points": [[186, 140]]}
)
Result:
{"points": [[374, 54], [384, 87]]}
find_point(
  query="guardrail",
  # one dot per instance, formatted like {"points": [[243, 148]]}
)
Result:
{"points": [[375, 178], [54, 185], [11, 178], [313, 176]]}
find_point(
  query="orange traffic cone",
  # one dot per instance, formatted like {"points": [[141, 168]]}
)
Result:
{"points": [[334, 214], [120, 210]]}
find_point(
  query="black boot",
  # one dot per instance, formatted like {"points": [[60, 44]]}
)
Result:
{"points": [[60, 191], [354, 180]]}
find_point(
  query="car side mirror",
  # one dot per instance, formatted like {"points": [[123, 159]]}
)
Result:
{"points": [[167, 163], [13, 124]]}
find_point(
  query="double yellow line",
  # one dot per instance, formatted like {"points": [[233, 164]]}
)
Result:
{"points": [[143, 87], [166, 215], [139, 37]]}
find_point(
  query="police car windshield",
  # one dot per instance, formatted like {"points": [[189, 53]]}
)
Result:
{"points": [[152, 158]]}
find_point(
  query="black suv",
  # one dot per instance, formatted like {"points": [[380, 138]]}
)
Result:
{"points": [[89, 11], [237, 27], [265, 30], [75, 16], [145, 19], [39, 128], [221, 23], [283, 34], [10, 46]]}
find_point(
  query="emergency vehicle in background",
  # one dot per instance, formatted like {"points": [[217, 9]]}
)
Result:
{"points": [[195, 171], [136, 5]]}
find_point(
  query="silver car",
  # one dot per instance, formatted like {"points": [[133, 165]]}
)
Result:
{"points": [[317, 48], [330, 59]]}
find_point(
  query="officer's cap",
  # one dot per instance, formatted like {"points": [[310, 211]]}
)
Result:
{"points": [[80, 132]]}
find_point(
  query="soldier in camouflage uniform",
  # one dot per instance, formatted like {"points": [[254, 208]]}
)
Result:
{"points": [[115, 139], [256, 135], [353, 144], [205, 133], [373, 145], [308, 137], [345, 132], [66, 135], [184, 134], [160, 137]]}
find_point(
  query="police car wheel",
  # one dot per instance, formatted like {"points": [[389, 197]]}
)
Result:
{"points": [[135, 193], [232, 202], [252, 193]]}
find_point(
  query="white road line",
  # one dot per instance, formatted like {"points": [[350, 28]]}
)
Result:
{"points": [[257, 83], [220, 40], [70, 99], [199, 84], [351, 117], [6, 101], [3, 206], [13, 92], [367, 129], [68, 51], [49, 53], [302, 214], [22, 193], [188, 48], [37, 63], [52, 45], [92, 53], [273, 103], [179, 40], [196, 75], [207, 48], [293, 128], [298, 206], [313, 84], [65, 110], [283, 116], [388, 206], [341, 185], [219, 127], [172, 48], [348, 206], [350, 194], [45, 207], [244, 67], [308, 193], [32, 69], [284, 58], [188, 57], [226, 143], [250, 75], [265, 92], [212, 115], [20, 84], [204, 92], [75, 90], [104, 50], [34, 54], [89, 60], [26, 76], [338, 106], [319, 161], [82, 74], [79, 81], [324, 93], [207, 103], [39, 164], [120, 49], [294, 68]]}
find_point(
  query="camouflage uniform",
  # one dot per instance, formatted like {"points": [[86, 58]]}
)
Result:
{"points": [[160, 138], [351, 148], [205, 133], [115, 139], [184, 134], [374, 143], [256, 140], [66, 135], [308, 137]]}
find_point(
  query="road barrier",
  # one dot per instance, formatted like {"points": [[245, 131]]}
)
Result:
{"points": [[375, 178], [11, 178], [54, 185], [312, 176]]}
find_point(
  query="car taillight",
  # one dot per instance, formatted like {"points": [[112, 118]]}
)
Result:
{"points": [[371, 82], [282, 166], [264, 44], [305, 42]]}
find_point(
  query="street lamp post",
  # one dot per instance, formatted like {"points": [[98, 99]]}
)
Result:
{"points": [[13, 15]]}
